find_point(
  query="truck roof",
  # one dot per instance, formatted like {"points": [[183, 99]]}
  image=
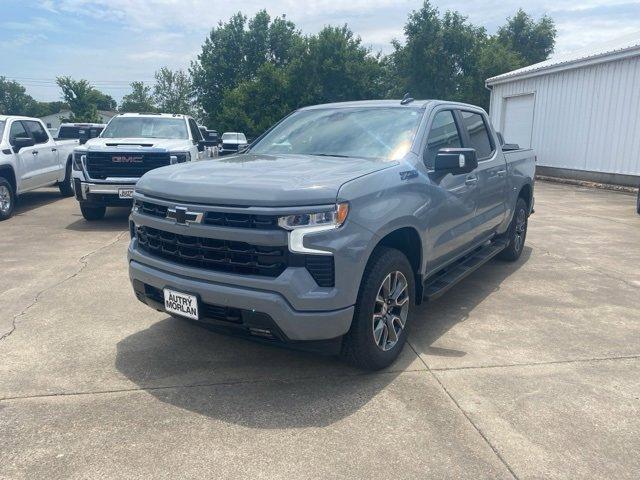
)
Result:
{"points": [[153, 115], [17, 117], [386, 103]]}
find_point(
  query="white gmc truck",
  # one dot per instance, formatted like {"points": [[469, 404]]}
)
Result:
{"points": [[106, 168], [30, 158]]}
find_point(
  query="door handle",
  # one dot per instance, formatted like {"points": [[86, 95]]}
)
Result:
{"points": [[501, 173], [35, 152], [54, 149], [471, 180]]}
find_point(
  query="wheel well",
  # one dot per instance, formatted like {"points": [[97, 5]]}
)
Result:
{"points": [[6, 171], [525, 194], [407, 240]]}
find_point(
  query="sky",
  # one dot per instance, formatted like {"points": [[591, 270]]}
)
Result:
{"points": [[114, 42]]}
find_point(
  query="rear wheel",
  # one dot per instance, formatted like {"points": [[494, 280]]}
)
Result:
{"points": [[385, 300], [7, 199], [91, 212], [66, 186], [517, 233], [638, 202]]}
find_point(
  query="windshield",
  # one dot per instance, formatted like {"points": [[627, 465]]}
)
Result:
{"points": [[146, 127], [234, 136], [366, 132]]}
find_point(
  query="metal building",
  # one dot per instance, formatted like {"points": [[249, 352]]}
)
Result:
{"points": [[580, 112]]}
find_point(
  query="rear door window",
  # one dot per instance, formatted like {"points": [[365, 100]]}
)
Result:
{"points": [[478, 132], [443, 134], [37, 131]]}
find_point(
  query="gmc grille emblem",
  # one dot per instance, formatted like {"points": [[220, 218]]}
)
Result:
{"points": [[183, 217], [126, 159]]}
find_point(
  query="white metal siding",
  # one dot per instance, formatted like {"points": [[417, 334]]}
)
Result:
{"points": [[585, 119]]}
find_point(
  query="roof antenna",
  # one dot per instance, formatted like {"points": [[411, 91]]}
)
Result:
{"points": [[406, 99]]}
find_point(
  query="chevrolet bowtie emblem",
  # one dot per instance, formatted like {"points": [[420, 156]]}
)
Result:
{"points": [[184, 217]]}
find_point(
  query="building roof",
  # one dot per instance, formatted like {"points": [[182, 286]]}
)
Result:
{"points": [[622, 47]]}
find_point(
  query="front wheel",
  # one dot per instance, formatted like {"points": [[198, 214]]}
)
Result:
{"points": [[385, 301], [517, 233], [66, 186], [92, 213], [7, 199]]}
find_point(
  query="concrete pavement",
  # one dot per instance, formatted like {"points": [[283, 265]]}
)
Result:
{"points": [[525, 370]]}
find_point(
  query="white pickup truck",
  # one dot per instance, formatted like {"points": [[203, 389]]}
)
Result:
{"points": [[30, 158], [106, 168]]}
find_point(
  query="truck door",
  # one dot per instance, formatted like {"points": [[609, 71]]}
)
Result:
{"points": [[451, 212], [25, 157], [44, 165], [491, 173]]}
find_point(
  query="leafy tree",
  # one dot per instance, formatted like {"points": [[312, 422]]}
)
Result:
{"points": [[173, 92], [140, 100], [82, 99], [256, 104], [234, 52], [14, 99], [105, 102], [533, 41]]}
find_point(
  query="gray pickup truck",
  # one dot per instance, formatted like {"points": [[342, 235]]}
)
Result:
{"points": [[333, 225]]}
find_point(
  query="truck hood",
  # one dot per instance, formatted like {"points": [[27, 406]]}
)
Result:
{"points": [[109, 144], [258, 180]]}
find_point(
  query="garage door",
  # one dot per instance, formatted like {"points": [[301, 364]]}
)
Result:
{"points": [[517, 120]]}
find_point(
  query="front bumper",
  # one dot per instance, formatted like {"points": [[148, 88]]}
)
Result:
{"points": [[257, 312], [101, 193]]}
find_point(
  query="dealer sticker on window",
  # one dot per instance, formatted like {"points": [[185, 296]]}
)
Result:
{"points": [[181, 304]]}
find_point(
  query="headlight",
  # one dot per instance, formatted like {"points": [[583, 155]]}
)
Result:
{"points": [[78, 160], [180, 157], [331, 218]]}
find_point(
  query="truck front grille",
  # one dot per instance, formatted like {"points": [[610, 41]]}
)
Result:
{"points": [[219, 219], [213, 254], [101, 165]]}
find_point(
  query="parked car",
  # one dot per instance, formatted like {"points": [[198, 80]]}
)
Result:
{"points": [[30, 158], [106, 169], [232, 142], [79, 131], [334, 224]]}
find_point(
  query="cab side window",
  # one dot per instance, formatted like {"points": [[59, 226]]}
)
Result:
{"points": [[478, 134], [443, 134], [37, 131], [17, 131]]}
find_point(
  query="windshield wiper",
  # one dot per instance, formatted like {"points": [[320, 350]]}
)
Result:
{"points": [[329, 155]]}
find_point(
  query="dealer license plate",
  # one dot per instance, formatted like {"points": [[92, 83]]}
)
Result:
{"points": [[125, 192], [181, 304]]}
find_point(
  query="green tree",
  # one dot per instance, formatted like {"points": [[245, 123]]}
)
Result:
{"points": [[14, 99], [82, 99], [256, 104], [173, 92], [235, 51], [105, 102], [533, 41], [140, 100]]}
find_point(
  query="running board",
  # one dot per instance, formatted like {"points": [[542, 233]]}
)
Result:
{"points": [[446, 278]]}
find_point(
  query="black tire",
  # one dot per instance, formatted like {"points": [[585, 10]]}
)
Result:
{"points": [[66, 186], [638, 202], [360, 347], [7, 199], [92, 212], [517, 232]]}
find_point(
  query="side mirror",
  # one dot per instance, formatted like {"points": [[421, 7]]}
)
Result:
{"points": [[509, 147], [22, 142], [456, 160]]}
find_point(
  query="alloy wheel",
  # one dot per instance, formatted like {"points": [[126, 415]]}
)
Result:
{"points": [[5, 199], [520, 230], [391, 310]]}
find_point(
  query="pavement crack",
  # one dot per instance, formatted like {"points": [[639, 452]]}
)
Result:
{"points": [[209, 384], [83, 260], [469, 419], [535, 364]]}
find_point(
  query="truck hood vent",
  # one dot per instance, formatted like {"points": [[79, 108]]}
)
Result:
{"points": [[129, 144]]}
